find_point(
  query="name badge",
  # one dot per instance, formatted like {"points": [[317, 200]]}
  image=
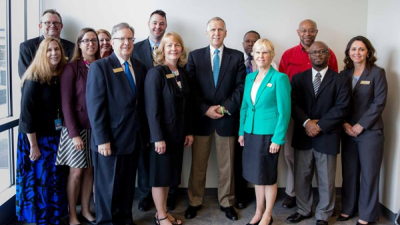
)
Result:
{"points": [[366, 82], [58, 124], [269, 85], [169, 76], [117, 70]]}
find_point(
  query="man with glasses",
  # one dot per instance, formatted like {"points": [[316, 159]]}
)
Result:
{"points": [[320, 102], [115, 105], [51, 26], [296, 60], [145, 52]]}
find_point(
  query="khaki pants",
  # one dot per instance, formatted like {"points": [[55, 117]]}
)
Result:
{"points": [[225, 155]]}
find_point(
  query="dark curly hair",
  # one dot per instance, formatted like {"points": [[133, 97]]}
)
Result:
{"points": [[371, 58]]}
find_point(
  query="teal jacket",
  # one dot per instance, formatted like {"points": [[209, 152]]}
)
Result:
{"points": [[271, 112]]}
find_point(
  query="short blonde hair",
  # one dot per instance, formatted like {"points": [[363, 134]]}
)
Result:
{"points": [[103, 31], [39, 70], [266, 44], [160, 57]]}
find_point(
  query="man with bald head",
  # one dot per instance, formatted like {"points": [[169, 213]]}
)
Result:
{"points": [[295, 60], [320, 102]]}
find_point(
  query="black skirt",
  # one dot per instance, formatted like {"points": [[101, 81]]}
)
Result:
{"points": [[260, 167], [166, 169]]}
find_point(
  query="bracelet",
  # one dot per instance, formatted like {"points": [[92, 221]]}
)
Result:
{"points": [[222, 110]]}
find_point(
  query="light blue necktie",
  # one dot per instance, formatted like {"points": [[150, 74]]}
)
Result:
{"points": [[216, 66], [130, 77]]}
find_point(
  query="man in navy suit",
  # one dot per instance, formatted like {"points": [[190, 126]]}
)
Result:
{"points": [[320, 102], [51, 26], [115, 105], [219, 72], [144, 52]]}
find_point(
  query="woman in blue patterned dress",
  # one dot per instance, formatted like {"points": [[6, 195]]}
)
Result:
{"points": [[41, 186]]}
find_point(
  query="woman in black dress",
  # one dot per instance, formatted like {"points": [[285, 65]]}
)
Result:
{"points": [[169, 112], [41, 197]]}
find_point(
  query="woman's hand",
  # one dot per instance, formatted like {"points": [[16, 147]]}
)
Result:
{"points": [[160, 147], [78, 143], [357, 129], [274, 148], [348, 129], [34, 153], [241, 140], [189, 140]]}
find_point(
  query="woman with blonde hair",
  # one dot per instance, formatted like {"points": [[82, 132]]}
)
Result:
{"points": [[40, 184], [105, 43], [168, 102]]}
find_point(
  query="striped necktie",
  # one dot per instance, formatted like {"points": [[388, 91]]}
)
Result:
{"points": [[216, 66], [249, 65], [317, 83]]}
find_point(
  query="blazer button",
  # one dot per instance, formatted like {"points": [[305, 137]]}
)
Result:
{"points": [[254, 109]]}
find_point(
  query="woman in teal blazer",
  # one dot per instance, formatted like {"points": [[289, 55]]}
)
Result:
{"points": [[264, 118]]}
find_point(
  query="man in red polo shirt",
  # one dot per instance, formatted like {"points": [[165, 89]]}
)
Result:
{"points": [[295, 60]]}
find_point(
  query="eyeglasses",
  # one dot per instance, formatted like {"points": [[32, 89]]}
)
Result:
{"points": [[48, 24], [86, 41], [311, 31], [321, 52], [106, 40], [125, 39]]}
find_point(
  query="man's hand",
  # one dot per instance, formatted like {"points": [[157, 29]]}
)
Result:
{"points": [[105, 149], [212, 112], [160, 147], [219, 110], [189, 140], [349, 130], [357, 129], [312, 129]]}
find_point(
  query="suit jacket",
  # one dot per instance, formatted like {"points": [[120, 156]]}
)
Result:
{"points": [[227, 93], [73, 90], [28, 49], [115, 114], [144, 53], [271, 112], [168, 108], [330, 106], [368, 98]]}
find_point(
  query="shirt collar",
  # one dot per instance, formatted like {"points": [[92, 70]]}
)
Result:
{"points": [[322, 72], [152, 43], [122, 61], [212, 50]]}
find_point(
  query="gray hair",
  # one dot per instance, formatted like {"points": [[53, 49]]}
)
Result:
{"points": [[216, 19], [121, 26]]}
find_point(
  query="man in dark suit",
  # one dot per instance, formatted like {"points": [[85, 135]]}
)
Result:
{"points": [[320, 102], [51, 26], [115, 104], [144, 52], [219, 72]]}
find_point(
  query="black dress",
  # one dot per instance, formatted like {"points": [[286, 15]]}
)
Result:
{"points": [[168, 102]]}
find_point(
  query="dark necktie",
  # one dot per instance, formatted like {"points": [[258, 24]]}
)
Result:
{"points": [[317, 83], [130, 77], [216, 66], [249, 65]]}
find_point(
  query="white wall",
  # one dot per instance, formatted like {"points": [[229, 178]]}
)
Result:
{"points": [[384, 33], [338, 21]]}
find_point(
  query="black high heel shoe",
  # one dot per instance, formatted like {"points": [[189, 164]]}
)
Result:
{"points": [[157, 220], [270, 221]]}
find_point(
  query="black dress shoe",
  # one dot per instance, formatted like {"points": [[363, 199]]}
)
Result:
{"points": [[230, 212], [171, 203], [289, 202], [240, 204], [322, 222], [297, 217], [342, 218], [191, 211], [144, 205]]}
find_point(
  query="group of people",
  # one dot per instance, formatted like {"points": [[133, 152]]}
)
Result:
{"points": [[118, 108]]}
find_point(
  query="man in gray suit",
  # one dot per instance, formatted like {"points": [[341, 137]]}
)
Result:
{"points": [[320, 102]]}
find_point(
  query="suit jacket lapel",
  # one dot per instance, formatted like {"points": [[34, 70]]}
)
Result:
{"points": [[327, 79], [121, 76], [226, 57], [207, 64], [309, 82], [172, 81], [148, 52], [82, 68], [138, 78], [264, 83], [362, 77]]}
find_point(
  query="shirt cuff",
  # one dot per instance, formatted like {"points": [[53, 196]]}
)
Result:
{"points": [[305, 122]]}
